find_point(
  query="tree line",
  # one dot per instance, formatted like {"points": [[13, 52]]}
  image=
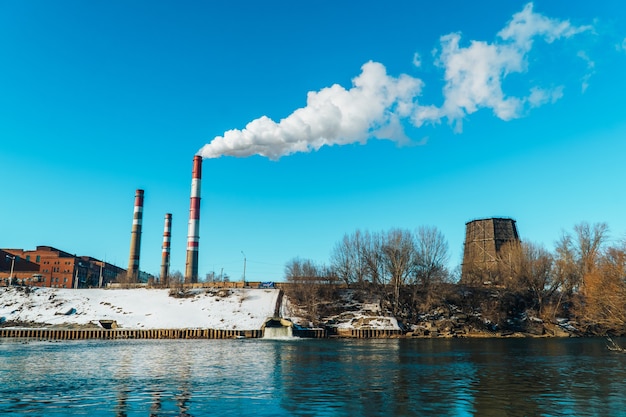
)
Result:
{"points": [[583, 278]]}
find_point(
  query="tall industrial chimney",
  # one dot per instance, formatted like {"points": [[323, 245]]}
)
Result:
{"points": [[135, 238], [165, 256], [191, 266]]}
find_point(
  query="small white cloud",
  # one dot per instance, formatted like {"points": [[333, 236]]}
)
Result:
{"points": [[621, 47], [591, 65], [527, 25], [539, 96], [417, 60]]}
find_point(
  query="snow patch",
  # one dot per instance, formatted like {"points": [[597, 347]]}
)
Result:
{"points": [[205, 308]]}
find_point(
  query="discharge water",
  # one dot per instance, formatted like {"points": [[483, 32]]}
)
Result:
{"points": [[291, 377]]}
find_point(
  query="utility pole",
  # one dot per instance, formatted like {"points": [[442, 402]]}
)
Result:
{"points": [[244, 268], [100, 279], [12, 258]]}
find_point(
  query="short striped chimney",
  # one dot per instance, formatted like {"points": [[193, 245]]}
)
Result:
{"points": [[135, 238], [165, 254], [191, 266]]}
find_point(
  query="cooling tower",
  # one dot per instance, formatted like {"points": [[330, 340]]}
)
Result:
{"points": [[135, 238], [165, 254], [191, 266], [483, 240]]}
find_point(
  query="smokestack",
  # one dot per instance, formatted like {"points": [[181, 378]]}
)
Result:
{"points": [[191, 267], [165, 256], [135, 237]]}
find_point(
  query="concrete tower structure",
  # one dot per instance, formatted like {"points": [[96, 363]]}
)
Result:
{"points": [[484, 238], [135, 238], [191, 266], [165, 253]]}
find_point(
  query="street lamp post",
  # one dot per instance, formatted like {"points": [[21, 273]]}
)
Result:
{"points": [[12, 258], [244, 268]]}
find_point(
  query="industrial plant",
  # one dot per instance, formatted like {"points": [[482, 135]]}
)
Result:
{"points": [[51, 267], [47, 266]]}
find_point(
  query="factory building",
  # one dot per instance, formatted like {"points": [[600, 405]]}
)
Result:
{"points": [[18, 269], [47, 266]]}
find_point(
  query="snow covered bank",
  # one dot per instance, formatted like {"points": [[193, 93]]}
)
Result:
{"points": [[226, 309], [347, 311]]}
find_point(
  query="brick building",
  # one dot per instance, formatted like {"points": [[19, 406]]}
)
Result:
{"points": [[22, 270], [50, 267]]}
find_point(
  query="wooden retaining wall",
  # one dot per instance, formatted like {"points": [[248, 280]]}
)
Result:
{"points": [[369, 333], [79, 334], [310, 333]]}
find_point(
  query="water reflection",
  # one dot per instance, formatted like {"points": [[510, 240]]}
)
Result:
{"points": [[312, 378]]}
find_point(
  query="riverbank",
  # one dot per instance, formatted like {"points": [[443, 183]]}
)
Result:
{"points": [[216, 313]]}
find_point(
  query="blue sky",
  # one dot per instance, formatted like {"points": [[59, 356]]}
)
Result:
{"points": [[493, 109]]}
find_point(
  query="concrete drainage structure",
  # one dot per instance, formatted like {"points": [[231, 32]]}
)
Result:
{"points": [[277, 327]]}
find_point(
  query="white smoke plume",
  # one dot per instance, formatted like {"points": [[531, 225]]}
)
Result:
{"points": [[377, 104]]}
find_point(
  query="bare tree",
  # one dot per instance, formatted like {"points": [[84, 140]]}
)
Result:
{"points": [[347, 258], [176, 279], [537, 274], [577, 255], [527, 268], [605, 292], [310, 285], [431, 256], [565, 267], [399, 259], [371, 254], [590, 240]]}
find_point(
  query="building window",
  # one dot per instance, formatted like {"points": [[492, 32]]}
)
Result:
{"points": [[37, 259]]}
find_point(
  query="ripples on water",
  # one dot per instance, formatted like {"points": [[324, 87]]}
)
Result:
{"points": [[463, 377]]}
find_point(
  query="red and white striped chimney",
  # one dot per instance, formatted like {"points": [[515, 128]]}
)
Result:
{"points": [[191, 266], [165, 255], [135, 237]]}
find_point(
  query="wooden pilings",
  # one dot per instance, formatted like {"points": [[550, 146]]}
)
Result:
{"points": [[310, 333], [80, 334], [369, 333]]}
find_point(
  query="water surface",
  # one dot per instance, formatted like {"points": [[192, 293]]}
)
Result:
{"points": [[423, 377]]}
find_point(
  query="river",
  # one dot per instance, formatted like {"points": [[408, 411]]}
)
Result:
{"points": [[259, 377]]}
